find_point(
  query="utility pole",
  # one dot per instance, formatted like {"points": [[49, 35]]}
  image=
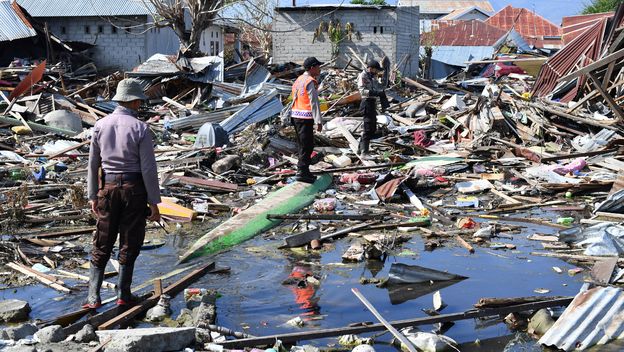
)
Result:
{"points": [[294, 3]]}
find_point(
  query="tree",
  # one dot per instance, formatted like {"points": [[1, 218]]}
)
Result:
{"points": [[369, 2], [171, 13], [598, 6], [255, 18]]}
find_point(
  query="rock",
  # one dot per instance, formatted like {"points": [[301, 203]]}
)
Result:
{"points": [[13, 310], [147, 340], [202, 336], [363, 348], [160, 311], [20, 332], [86, 334], [204, 315], [50, 334], [228, 162], [185, 319], [540, 322]]}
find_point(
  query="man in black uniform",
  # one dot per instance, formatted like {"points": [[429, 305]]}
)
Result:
{"points": [[371, 90]]}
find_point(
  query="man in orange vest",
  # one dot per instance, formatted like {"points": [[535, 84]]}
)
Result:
{"points": [[305, 114]]}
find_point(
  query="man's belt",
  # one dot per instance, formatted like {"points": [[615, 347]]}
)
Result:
{"points": [[132, 176]]}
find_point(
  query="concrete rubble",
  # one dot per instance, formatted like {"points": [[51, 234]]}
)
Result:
{"points": [[480, 164]]}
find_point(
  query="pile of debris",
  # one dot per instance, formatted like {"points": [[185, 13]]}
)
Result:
{"points": [[452, 162]]}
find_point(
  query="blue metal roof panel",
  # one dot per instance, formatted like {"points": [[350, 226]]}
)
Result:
{"points": [[80, 8], [12, 25], [458, 55]]}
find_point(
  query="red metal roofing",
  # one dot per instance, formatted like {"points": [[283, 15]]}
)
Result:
{"points": [[464, 33], [573, 26], [532, 27]]}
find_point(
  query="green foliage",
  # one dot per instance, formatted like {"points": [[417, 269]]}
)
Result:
{"points": [[598, 6], [369, 2]]}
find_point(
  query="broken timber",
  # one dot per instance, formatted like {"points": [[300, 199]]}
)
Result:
{"points": [[443, 318], [171, 290], [253, 220]]}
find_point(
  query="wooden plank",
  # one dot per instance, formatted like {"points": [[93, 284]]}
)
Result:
{"points": [[290, 338], [68, 149], [593, 66], [607, 76], [41, 277], [404, 341], [612, 104], [507, 198], [60, 233], [86, 278], [603, 270], [464, 244], [171, 290]]}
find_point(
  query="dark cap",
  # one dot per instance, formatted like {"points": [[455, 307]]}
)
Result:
{"points": [[374, 64], [311, 62]]}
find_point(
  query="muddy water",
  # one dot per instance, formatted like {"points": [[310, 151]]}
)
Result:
{"points": [[254, 299]]}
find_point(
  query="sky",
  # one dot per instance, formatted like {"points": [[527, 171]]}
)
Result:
{"points": [[552, 10]]}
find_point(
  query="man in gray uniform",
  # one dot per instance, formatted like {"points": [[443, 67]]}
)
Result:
{"points": [[370, 90], [122, 182]]}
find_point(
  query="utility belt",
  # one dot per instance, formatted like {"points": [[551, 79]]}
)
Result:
{"points": [[122, 177]]}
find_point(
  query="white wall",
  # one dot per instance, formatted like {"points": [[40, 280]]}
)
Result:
{"points": [[211, 42]]}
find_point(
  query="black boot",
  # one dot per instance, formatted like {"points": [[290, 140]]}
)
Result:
{"points": [[124, 293], [304, 175], [96, 276], [363, 147]]}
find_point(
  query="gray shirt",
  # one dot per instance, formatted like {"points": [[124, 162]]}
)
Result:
{"points": [[123, 144], [368, 83]]}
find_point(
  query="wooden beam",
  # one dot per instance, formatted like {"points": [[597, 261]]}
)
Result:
{"points": [[68, 149], [614, 106], [607, 77], [171, 290], [412, 82], [291, 338], [593, 66]]}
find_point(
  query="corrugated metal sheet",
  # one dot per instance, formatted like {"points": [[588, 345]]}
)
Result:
{"points": [[573, 26], [444, 6], [594, 317], [582, 51], [465, 33], [458, 55], [64, 8], [458, 13], [13, 23], [534, 28]]}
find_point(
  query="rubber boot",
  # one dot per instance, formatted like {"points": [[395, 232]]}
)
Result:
{"points": [[304, 175], [363, 147], [124, 293], [96, 276]]}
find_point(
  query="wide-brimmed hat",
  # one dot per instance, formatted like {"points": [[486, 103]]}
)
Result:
{"points": [[129, 89]]}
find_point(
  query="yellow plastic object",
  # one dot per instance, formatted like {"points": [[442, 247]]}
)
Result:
{"points": [[175, 211], [324, 106], [20, 130]]}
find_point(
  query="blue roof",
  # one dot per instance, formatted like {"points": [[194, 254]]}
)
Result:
{"points": [[81, 8], [13, 25]]}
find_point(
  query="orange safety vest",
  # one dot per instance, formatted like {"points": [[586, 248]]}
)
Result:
{"points": [[302, 107]]}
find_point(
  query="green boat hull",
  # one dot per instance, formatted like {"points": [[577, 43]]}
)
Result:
{"points": [[253, 221]]}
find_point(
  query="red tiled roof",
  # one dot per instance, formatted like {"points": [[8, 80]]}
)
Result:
{"points": [[532, 27], [573, 26], [465, 33]]}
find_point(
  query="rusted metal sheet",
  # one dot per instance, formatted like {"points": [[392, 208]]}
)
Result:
{"points": [[535, 29], [593, 318], [30, 80], [581, 52], [387, 190], [573, 26], [465, 33]]}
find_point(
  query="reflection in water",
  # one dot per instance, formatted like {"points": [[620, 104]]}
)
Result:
{"points": [[303, 282]]}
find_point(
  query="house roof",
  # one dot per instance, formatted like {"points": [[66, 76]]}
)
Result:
{"points": [[465, 33], [332, 7], [446, 7], [533, 27], [81, 8], [13, 22], [573, 26], [456, 14]]}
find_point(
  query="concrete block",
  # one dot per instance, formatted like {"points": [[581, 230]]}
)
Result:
{"points": [[147, 340], [13, 310], [50, 334], [19, 332]]}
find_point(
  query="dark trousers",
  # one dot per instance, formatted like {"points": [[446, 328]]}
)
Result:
{"points": [[369, 109], [122, 209], [305, 142]]}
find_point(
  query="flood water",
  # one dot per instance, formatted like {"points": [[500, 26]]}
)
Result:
{"points": [[254, 300]]}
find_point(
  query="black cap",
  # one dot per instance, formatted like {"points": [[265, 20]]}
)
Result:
{"points": [[311, 62], [374, 64]]}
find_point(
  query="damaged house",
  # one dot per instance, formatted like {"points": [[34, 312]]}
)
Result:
{"points": [[539, 32], [119, 30], [329, 32], [453, 46]]}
